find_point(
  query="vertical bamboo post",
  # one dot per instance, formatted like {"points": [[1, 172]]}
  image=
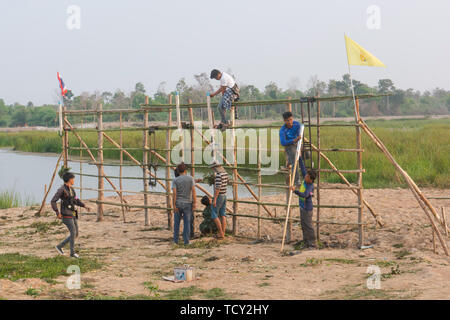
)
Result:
{"points": [[259, 186], [289, 183], [359, 178], [235, 187], [65, 140], [318, 174], [191, 131], [145, 161], [168, 161], [81, 166], [121, 162], [100, 163]]}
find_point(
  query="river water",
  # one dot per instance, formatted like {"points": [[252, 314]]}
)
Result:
{"points": [[27, 173]]}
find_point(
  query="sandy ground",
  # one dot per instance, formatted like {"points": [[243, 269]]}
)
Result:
{"points": [[133, 254]]}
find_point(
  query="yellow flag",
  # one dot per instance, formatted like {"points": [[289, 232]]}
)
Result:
{"points": [[358, 56]]}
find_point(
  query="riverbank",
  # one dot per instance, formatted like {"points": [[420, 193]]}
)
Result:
{"points": [[130, 259]]}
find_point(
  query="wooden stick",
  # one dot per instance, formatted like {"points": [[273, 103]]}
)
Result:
{"points": [[235, 189], [100, 166], [319, 170], [168, 160], [258, 235], [65, 141], [359, 191], [297, 154], [434, 241], [38, 213], [191, 132], [145, 162], [121, 163]]}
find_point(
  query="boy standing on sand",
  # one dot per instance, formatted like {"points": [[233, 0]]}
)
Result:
{"points": [[68, 213], [305, 194], [184, 197]]}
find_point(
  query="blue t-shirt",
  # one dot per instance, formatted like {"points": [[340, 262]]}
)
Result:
{"points": [[287, 135]]}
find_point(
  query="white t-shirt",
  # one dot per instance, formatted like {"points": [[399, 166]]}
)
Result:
{"points": [[227, 81]]}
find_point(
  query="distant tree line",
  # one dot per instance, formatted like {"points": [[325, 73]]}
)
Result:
{"points": [[401, 102]]}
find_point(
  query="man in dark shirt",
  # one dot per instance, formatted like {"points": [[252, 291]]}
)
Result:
{"points": [[68, 213]]}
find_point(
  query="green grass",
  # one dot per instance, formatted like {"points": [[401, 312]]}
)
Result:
{"points": [[420, 146], [14, 266], [12, 199]]}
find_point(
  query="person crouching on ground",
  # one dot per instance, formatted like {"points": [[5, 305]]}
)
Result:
{"points": [[220, 199], [289, 136], [230, 93], [68, 213], [305, 194], [184, 203], [207, 226]]}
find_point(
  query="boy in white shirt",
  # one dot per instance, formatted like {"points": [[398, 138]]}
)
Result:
{"points": [[230, 93]]}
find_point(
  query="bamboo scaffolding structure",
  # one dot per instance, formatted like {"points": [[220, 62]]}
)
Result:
{"points": [[318, 170], [38, 213], [100, 166], [415, 190]]}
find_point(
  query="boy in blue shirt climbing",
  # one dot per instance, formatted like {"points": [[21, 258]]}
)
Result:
{"points": [[305, 194], [289, 136]]}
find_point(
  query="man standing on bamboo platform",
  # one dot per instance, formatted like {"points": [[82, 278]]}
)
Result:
{"points": [[219, 204], [289, 136], [230, 93]]}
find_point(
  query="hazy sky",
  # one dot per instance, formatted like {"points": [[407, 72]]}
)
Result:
{"points": [[123, 42]]}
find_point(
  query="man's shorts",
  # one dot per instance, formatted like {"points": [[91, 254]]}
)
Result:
{"points": [[220, 208]]}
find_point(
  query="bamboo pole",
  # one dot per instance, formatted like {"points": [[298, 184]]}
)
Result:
{"points": [[93, 158], [378, 219], [259, 186], [415, 190], [297, 154], [318, 173], [145, 163], [100, 166], [359, 191], [168, 160], [434, 242], [38, 213], [81, 168], [121, 163], [191, 131], [65, 140], [235, 188]]}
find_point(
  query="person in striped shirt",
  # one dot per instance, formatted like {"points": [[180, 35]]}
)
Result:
{"points": [[219, 199]]}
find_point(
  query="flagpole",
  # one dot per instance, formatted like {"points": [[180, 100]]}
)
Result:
{"points": [[351, 80]]}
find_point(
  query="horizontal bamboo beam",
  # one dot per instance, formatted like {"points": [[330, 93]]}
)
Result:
{"points": [[118, 204]]}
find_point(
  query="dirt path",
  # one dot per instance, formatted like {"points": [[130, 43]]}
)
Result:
{"points": [[134, 257]]}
